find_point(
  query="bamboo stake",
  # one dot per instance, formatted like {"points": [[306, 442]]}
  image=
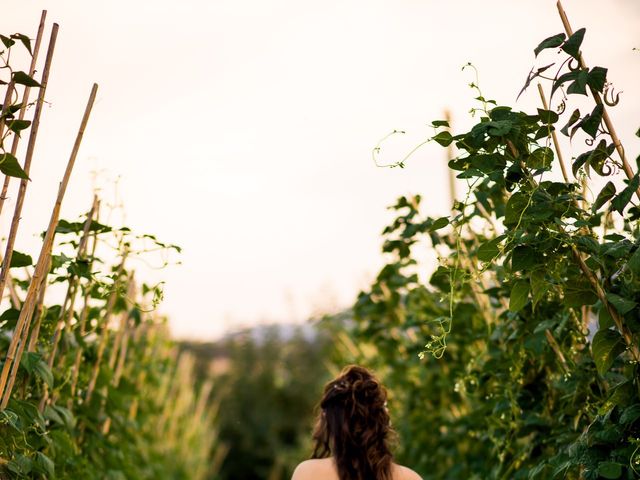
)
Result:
{"points": [[119, 368], [15, 221], [43, 260], [554, 137], [39, 313], [83, 316], [25, 333], [596, 96], [452, 180], [67, 315], [25, 101], [104, 337], [118, 352]]}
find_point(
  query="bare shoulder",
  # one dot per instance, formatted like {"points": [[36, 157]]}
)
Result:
{"points": [[313, 469], [404, 473]]}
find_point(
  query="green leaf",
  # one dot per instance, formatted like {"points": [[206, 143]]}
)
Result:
{"points": [[10, 167], [539, 286], [621, 304], [66, 416], [578, 293], [515, 208], [575, 116], [604, 318], [22, 78], [20, 465], [551, 42], [634, 262], [548, 116], [43, 464], [26, 41], [565, 77], [19, 259], [444, 138], [597, 78], [489, 250], [34, 364], [595, 158], [440, 123], [540, 158], [519, 295], [572, 45], [591, 123], [438, 224], [630, 414], [605, 347], [53, 416], [606, 194], [624, 197], [499, 128], [523, 258], [7, 417], [579, 85], [610, 470], [8, 43], [18, 125]]}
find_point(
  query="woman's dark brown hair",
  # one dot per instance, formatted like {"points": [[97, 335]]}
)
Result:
{"points": [[353, 426]]}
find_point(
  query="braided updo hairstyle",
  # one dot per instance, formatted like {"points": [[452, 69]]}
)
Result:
{"points": [[354, 427]]}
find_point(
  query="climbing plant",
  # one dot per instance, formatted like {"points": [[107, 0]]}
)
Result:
{"points": [[91, 386], [531, 318]]}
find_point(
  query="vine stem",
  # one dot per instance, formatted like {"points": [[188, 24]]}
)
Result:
{"points": [[596, 96], [556, 349], [15, 221], [554, 137], [5, 105], [40, 271], [25, 101]]}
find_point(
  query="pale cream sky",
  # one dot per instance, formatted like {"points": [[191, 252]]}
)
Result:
{"points": [[243, 129]]}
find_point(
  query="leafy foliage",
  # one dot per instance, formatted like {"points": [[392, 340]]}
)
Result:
{"points": [[531, 368], [90, 385]]}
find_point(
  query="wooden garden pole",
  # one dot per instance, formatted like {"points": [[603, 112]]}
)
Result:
{"points": [[43, 260], [15, 222], [452, 180], [83, 316], [25, 101], [554, 137], [35, 331], [66, 315], [104, 337]]}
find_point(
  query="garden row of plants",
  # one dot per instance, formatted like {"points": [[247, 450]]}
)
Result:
{"points": [[532, 316], [90, 384]]}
